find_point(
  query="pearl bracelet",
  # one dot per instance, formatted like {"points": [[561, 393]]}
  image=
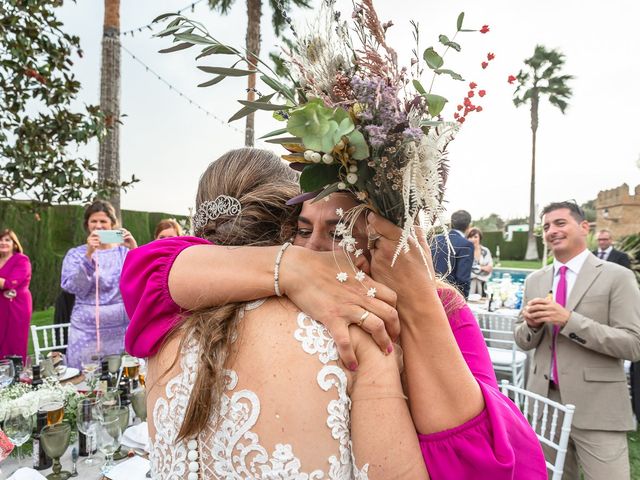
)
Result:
{"points": [[276, 269]]}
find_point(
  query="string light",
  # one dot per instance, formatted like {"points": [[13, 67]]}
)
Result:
{"points": [[181, 94], [133, 31]]}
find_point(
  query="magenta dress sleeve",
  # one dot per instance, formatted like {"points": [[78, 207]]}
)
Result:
{"points": [[144, 286], [19, 276], [498, 444]]}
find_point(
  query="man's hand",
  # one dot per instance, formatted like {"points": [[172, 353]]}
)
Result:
{"points": [[541, 310]]}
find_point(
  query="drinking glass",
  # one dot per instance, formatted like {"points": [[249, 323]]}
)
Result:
{"points": [[59, 361], [110, 398], [88, 421], [53, 404], [142, 372], [90, 362], [54, 439], [113, 363], [130, 366], [6, 373], [109, 436], [18, 424], [122, 415], [139, 403]]}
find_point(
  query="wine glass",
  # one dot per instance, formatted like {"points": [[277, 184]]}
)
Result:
{"points": [[109, 436], [6, 373], [139, 403], [113, 363], [59, 361], [122, 414], [54, 439], [87, 421], [90, 362], [110, 398], [18, 425]]}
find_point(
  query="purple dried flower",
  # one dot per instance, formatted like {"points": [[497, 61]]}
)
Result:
{"points": [[413, 134]]}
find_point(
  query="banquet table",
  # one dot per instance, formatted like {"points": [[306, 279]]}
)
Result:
{"points": [[89, 472], [137, 471]]}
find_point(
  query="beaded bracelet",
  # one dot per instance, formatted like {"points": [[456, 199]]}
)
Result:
{"points": [[276, 269]]}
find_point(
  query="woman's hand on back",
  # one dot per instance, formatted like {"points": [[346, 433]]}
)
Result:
{"points": [[309, 279]]}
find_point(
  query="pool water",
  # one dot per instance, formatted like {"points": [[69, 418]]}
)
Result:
{"points": [[518, 275]]}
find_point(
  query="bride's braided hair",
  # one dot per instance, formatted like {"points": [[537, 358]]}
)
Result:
{"points": [[263, 184]]}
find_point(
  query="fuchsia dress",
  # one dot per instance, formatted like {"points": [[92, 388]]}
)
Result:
{"points": [[15, 306], [498, 444]]}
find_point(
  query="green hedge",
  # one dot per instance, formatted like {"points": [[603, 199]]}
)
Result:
{"points": [[47, 236], [516, 249]]}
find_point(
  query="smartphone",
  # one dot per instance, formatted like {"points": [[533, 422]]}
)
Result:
{"points": [[111, 236]]}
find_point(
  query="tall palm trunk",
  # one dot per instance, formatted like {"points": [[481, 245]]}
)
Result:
{"points": [[109, 153], [532, 248], [254, 12]]}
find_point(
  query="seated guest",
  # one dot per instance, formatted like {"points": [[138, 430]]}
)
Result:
{"points": [[91, 272], [482, 263], [15, 297], [167, 228]]}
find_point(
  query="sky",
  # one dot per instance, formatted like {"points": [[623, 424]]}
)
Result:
{"points": [[168, 142]]}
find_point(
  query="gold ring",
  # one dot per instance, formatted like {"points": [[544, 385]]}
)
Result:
{"points": [[363, 317]]}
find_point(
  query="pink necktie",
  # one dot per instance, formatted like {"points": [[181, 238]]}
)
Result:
{"points": [[561, 299]]}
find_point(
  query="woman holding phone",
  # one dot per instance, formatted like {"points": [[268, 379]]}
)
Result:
{"points": [[92, 273]]}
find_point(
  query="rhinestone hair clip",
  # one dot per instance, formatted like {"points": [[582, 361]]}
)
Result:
{"points": [[223, 205]]}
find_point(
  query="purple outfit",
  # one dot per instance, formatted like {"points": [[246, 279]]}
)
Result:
{"points": [[498, 444], [79, 278], [15, 306]]}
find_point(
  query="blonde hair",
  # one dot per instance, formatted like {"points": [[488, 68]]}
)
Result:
{"points": [[263, 184], [165, 224], [7, 232]]}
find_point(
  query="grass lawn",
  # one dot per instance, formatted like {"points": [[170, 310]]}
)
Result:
{"points": [[40, 317], [634, 453], [535, 264]]}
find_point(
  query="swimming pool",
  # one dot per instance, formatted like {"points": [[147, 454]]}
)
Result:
{"points": [[518, 275]]}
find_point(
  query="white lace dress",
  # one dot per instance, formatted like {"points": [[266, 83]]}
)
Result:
{"points": [[315, 447]]}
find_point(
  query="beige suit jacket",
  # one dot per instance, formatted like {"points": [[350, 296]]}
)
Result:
{"points": [[604, 329]]}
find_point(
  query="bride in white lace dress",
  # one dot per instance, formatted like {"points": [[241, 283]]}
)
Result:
{"points": [[255, 391]]}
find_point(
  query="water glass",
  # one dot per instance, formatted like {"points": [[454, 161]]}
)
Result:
{"points": [[113, 363], [18, 425], [122, 415], [54, 439], [139, 403], [6, 373], [88, 421], [109, 437], [90, 362]]}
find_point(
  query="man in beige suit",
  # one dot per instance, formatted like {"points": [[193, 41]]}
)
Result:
{"points": [[582, 317]]}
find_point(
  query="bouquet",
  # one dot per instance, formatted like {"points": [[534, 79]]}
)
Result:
{"points": [[354, 119]]}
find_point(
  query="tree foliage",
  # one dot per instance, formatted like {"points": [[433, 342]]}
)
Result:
{"points": [[39, 128]]}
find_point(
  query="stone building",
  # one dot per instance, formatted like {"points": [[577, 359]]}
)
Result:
{"points": [[619, 211]]}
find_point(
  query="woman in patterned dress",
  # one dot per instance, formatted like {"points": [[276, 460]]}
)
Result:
{"points": [[256, 390], [91, 272]]}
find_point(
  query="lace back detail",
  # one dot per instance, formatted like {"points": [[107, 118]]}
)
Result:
{"points": [[233, 450]]}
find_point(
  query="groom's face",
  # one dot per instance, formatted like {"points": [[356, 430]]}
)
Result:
{"points": [[317, 224]]}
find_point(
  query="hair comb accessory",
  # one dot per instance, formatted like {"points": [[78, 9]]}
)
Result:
{"points": [[222, 206]]}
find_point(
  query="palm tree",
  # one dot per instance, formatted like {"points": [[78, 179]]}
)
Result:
{"points": [[541, 78], [109, 152], [252, 41]]}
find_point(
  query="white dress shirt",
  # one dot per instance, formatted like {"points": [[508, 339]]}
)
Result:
{"points": [[573, 269], [607, 252]]}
